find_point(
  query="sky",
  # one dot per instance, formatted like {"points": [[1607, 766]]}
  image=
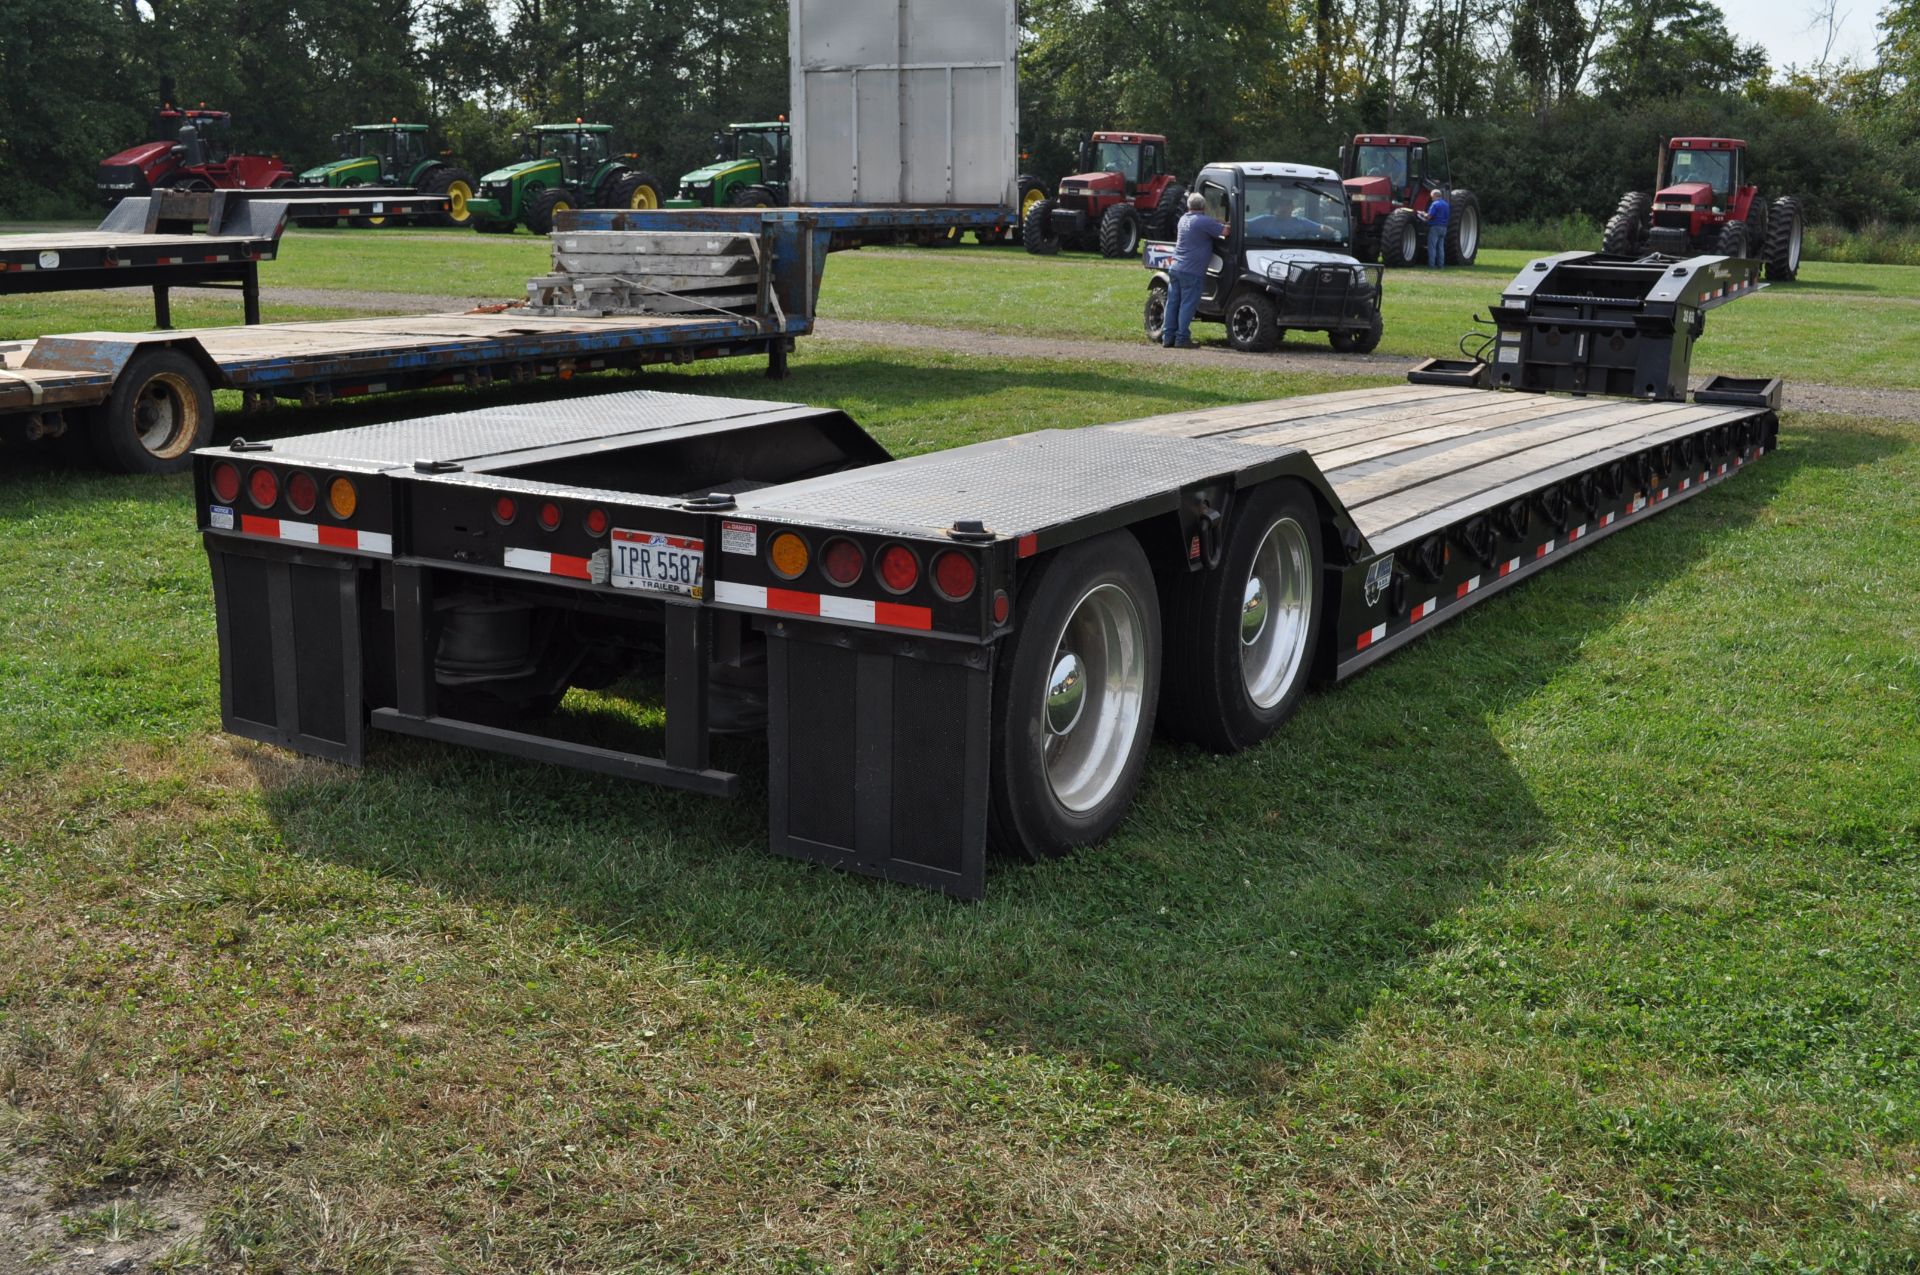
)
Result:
{"points": [[1788, 30]]}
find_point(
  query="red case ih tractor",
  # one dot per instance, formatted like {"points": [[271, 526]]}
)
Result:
{"points": [[1391, 179], [1122, 193], [190, 153], [1702, 204]]}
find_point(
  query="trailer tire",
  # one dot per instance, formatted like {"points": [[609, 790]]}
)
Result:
{"points": [[161, 408], [1400, 238], [1154, 318], [1120, 231], [1036, 232], [1168, 212], [1253, 322], [1785, 230], [542, 207], [1361, 341], [1463, 228], [1240, 638], [457, 185], [1074, 697]]}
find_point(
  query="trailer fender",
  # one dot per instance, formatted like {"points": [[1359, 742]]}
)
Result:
{"points": [[110, 352]]}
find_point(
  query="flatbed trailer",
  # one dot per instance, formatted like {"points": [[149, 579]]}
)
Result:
{"points": [[958, 650], [146, 398]]}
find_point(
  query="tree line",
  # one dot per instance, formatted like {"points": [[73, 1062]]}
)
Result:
{"points": [[1551, 107]]}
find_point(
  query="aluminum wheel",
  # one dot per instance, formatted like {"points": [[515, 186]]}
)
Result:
{"points": [[1275, 613], [166, 416], [1095, 694], [1469, 232]]}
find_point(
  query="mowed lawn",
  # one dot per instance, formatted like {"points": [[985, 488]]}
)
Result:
{"points": [[1582, 932]]}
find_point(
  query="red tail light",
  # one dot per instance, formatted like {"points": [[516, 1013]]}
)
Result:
{"points": [[549, 516], [843, 562], [899, 569], [302, 493], [263, 488], [596, 522], [225, 481], [505, 510], [954, 575]]}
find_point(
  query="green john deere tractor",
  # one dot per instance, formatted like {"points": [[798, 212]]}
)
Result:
{"points": [[394, 154], [566, 166], [752, 164]]}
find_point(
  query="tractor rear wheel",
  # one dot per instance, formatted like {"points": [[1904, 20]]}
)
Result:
{"points": [[1732, 240], [1253, 322], [1463, 230], [1358, 341], [1784, 235], [1119, 231], [543, 206], [635, 190], [1168, 212], [161, 408], [457, 185], [1400, 238], [1627, 229], [751, 197], [1037, 231]]}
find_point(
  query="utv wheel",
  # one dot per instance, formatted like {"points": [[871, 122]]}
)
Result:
{"points": [[1627, 230], [160, 410], [1732, 240], [1119, 231], [1253, 324], [1037, 231], [544, 206], [1240, 638], [1366, 242], [1361, 341], [1074, 698], [635, 191], [1463, 229], [1785, 232], [1168, 212], [1400, 238], [1155, 317], [751, 197], [457, 185]]}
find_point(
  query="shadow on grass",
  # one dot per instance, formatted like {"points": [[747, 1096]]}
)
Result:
{"points": [[1247, 913]]}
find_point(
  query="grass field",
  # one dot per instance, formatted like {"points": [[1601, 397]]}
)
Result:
{"points": [[1581, 934]]}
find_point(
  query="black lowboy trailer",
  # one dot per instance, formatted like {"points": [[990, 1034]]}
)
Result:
{"points": [[954, 651]]}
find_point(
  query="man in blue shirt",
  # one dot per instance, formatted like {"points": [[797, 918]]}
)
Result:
{"points": [[1192, 250], [1438, 214]]}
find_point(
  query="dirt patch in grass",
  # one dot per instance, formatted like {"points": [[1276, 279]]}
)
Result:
{"points": [[136, 1230]]}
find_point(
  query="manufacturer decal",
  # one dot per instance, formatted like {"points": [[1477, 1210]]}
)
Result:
{"points": [[49, 261], [740, 537], [1379, 579]]}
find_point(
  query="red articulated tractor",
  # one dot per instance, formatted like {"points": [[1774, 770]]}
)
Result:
{"points": [[1701, 204], [1122, 195], [1391, 179], [189, 152]]}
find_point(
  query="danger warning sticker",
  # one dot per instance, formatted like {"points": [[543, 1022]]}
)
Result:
{"points": [[740, 537]]}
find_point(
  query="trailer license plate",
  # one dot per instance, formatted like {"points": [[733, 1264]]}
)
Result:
{"points": [[658, 563]]}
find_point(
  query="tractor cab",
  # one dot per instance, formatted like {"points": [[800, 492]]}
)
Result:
{"points": [[398, 148], [1701, 172], [751, 167], [1120, 163], [1392, 179], [199, 137], [580, 148], [769, 145]]}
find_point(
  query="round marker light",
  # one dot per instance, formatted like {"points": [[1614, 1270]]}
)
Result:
{"points": [[899, 569], [596, 522], [263, 488], [302, 493], [225, 481], [788, 555], [954, 575], [549, 516], [1002, 608], [342, 499], [505, 510], [843, 562]]}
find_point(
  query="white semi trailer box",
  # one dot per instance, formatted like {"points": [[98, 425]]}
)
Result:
{"points": [[904, 101]]}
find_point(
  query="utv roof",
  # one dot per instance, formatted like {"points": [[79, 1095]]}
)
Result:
{"points": [[1264, 168], [1106, 136], [389, 128], [573, 128], [768, 124], [1706, 144]]}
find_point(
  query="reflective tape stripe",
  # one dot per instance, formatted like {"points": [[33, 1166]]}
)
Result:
{"points": [[551, 564], [1467, 586], [1544, 550], [1509, 566], [1425, 609], [311, 533], [893, 615], [1371, 636]]}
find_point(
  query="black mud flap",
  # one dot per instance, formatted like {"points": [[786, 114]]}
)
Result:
{"points": [[877, 754], [290, 656]]}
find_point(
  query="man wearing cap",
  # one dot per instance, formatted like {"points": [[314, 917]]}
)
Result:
{"points": [[1192, 250]]}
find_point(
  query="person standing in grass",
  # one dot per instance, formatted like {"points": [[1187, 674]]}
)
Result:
{"points": [[1192, 250], [1437, 215]]}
